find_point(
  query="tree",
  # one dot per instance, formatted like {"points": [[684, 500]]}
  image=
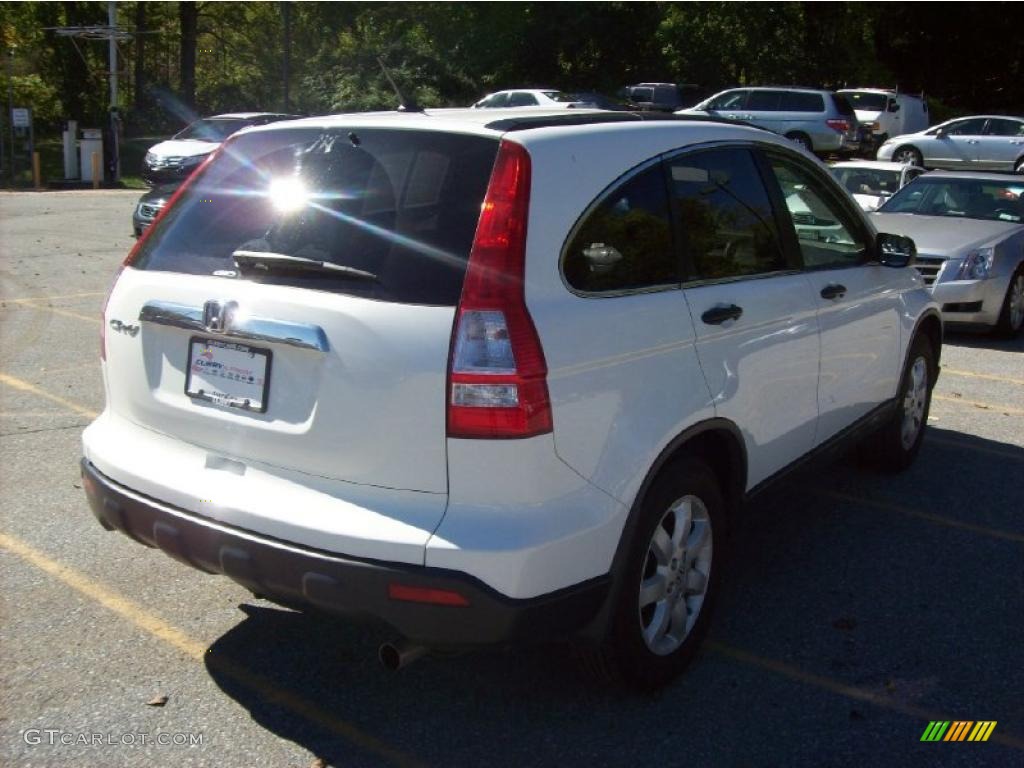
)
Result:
{"points": [[140, 57], [188, 22]]}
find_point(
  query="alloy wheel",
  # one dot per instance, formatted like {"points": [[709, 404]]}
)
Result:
{"points": [[675, 575], [1017, 303], [906, 156], [914, 402]]}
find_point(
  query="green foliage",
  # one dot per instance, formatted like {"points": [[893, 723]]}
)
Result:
{"points": [[445, 54]]}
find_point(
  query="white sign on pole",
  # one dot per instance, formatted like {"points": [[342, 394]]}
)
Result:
{"points": [[19, 117]]}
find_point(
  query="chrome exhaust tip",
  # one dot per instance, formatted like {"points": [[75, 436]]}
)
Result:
{"points": [[400, 653]]}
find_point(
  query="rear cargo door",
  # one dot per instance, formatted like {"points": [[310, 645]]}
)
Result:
{"points": [[295, 306]]}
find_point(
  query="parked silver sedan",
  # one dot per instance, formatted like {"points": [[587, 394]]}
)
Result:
{"points": [[980, 142], [969, 231]]}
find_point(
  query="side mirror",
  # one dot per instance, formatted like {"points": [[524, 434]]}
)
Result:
{"points": [[940, 133], [895, 250], [894, 107]]}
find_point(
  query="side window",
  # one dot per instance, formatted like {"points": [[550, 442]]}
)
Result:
{"points": [[1001, 127], [823, 229], [522, 100], [966, 128], [729, 100], [801, 101], [497, 100], [763, 101], [724, 215], [625, 243]]}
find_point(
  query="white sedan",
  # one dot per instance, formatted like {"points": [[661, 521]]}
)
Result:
{"points": [[872, 182], [528, 97]]}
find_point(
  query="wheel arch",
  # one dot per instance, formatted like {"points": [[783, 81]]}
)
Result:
{"points": [[911, 146], [803, 134], [930, 325], [720, 444]]}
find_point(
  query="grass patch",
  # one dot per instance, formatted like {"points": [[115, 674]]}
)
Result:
{"points": [[51, 161]]}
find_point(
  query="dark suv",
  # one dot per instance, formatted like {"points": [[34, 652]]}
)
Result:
{"points": [[661, 97]]}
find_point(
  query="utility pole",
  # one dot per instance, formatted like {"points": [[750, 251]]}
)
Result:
{"points": [[115, 118], [10, 110], [286, 13]]}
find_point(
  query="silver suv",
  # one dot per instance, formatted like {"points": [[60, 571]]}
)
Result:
{"points": [[821, 121]]}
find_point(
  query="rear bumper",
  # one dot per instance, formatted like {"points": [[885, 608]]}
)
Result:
{"points": [[306, 578]]}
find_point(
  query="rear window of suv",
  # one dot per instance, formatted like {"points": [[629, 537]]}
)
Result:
{"points": [[402, 205]]}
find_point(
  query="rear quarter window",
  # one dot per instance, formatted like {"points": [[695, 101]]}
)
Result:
{"points": [[400, 204], [842, 104], [797, 101], [624, 242]]}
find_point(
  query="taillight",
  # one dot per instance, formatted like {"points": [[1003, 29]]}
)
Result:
{"points": [[842, 126], [497, 379]]}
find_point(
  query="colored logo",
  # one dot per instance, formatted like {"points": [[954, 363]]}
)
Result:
{"points": [[958, 730]]}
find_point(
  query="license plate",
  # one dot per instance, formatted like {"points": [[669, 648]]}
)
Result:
{"points": [[228, 374]]}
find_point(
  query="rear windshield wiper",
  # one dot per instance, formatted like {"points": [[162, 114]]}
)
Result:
{"points": [[268, 261]]}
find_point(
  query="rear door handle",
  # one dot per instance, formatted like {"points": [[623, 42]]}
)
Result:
{"points": [[833, 291], [722, 313]]}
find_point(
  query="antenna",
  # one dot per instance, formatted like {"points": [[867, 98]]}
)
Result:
{"points": [[404, 105]]}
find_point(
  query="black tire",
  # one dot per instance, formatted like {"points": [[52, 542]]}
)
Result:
{"points": [[1010, 322], [627, 657], [802, 139], [887, 449], [909, 155]]}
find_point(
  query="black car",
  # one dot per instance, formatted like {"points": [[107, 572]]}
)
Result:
{"points": [[149, 206], [662, 97]]}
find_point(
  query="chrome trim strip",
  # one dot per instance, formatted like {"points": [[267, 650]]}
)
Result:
{"points": [[301, 335]]}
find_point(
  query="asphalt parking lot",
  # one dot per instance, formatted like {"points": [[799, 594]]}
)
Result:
{"points": [[859, 606]]}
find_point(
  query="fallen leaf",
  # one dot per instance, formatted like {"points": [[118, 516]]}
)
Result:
{"points": [[846, 624], [157, 701], [318, 763]]}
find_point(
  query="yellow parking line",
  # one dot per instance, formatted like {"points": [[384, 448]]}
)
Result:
{"points": [[986, 376], [24, 386], [950, 522], [24, 414], [59, 311], [842, 689], [31, 299], [1006, 409], [197, 651]]}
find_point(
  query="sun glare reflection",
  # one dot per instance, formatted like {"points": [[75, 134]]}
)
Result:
{"points": [[287, 194]]}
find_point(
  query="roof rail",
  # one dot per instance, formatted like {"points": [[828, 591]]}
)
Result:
{"points": [[527, 122]]}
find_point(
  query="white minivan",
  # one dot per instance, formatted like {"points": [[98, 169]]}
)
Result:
{"points": [[497, 376], [888, 113]]}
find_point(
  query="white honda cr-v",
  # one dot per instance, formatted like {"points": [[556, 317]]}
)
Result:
{"points": [[497, 377]]}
